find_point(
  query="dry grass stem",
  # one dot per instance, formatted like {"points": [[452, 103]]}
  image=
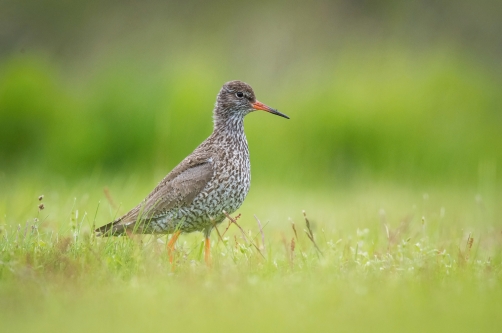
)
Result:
{"points": [[468, 247], [287, 248], [234, 221], [310, 234], [110, 198], [261, 232], [292, 247], [294, 229], [220, 238], [230, 221]]}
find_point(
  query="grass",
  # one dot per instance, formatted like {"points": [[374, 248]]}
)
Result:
{"points": [[389, 258]]}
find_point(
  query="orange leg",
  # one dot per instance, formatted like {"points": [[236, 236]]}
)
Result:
{"points": [[170, 245], [207, 251]]}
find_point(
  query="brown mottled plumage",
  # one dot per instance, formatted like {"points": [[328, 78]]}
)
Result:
{"points": [[214, 178]]}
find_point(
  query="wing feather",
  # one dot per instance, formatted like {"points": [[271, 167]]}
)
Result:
{"points": [[178, 189]]}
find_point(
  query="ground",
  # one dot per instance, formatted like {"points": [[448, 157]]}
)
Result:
{"points": [[376, 257]]}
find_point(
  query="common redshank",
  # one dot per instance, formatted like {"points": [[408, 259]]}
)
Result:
{"points": [[208, 184]]}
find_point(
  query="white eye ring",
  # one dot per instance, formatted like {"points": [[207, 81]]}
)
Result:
{"points": [[239, 94]]}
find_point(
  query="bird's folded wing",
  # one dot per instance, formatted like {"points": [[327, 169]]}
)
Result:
{"points": [[178, 192], [178, 189]]}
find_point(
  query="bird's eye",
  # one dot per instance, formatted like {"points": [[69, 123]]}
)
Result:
{"points": [[239, 94]]}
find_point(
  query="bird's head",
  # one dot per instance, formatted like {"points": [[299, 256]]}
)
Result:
{"points": [[237, 98]]}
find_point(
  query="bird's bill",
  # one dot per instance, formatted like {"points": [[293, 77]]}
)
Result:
{"points": [[260, 106]]}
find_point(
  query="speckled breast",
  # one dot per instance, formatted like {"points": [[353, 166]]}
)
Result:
{"points": [[226, 191]]}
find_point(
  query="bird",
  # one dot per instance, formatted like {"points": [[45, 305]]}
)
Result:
{"points": [[207, 185]]}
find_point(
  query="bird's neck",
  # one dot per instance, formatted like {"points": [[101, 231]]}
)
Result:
{"points": [[229, 138], [232, 127]]}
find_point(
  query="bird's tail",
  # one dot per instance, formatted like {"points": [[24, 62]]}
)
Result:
{"points": [[111, 229]]}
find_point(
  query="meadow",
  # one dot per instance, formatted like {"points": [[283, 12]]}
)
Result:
{"points": [[376, 207], [378, 256]]}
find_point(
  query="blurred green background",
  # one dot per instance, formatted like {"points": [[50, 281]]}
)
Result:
{"points": [[407, 92], [392, 149]]}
